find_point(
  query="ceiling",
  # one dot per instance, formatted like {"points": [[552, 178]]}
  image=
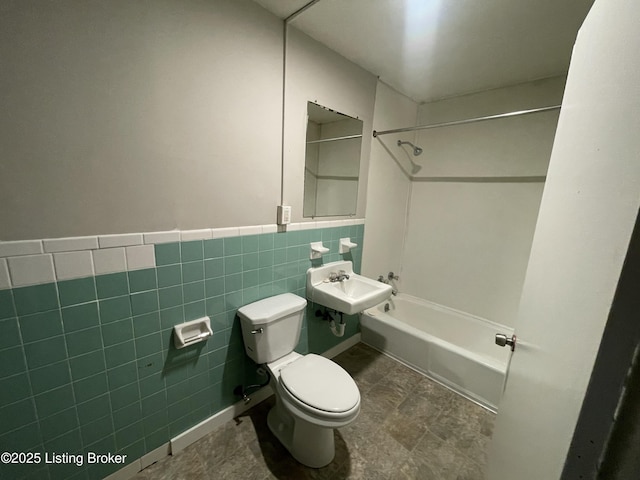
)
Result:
{"points": [[432, 49]]}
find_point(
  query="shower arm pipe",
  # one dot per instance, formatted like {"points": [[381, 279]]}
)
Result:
{"points": [[347, 137], [468, 120]]}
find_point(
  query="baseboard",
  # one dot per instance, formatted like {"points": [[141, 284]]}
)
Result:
{"points": [[208, 425], [343, 346], [205, 427]]}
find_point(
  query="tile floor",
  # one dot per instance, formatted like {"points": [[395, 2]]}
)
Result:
{"points": [[409, 428]]}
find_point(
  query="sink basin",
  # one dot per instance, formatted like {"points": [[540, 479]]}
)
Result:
{"points": [[348, 296]]}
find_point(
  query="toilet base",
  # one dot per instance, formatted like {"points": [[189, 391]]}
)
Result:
{"points": [[309, 444]]}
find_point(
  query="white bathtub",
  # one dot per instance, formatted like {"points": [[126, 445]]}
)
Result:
{"points": [[452, 347]]}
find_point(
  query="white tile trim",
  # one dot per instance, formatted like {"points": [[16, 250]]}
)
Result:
{"points": [[31, 270], [251, 230], [162, 237], [125, 473], [116, 253], [5, 279], [71, 244], [71, 265], [20, 247], [155, 455], [202, 234], [120, 240], [109, 260], [325, 224], [343, 346], [205, 427], [225, 232], [308, 225], [140, 256]]}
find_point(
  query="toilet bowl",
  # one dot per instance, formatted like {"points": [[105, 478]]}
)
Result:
{"points": [[313, 394]]}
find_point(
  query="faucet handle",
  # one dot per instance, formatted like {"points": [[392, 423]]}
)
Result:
{"points": [[392, 276], [333, 276]]}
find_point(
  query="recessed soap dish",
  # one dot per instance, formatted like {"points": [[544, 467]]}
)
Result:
{"points": [[317, 250], [192, 332], [346, 245]]}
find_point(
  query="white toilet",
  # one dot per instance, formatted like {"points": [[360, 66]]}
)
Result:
{"points": [[313, 394]]}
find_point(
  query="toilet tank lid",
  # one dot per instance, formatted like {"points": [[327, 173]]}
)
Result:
{"points": [[272, 308]]}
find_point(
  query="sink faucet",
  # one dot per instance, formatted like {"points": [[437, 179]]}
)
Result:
{"points": [[338, 277]]}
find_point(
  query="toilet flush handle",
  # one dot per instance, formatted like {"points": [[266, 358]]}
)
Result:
{"points": [[259, 330]]}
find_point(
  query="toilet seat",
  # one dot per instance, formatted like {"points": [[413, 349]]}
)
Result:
{"points": [[320, 387]]}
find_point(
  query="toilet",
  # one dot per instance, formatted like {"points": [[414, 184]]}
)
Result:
{"points": [[313, 394]]}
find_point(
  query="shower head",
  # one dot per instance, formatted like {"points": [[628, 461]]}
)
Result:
{"points": [[416, 150], [415, 168]]}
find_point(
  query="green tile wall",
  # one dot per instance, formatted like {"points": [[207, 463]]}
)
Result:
{"points": [[89, 365]]}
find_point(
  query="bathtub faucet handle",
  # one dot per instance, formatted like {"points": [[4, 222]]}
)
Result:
{"points": [[392, 276]]}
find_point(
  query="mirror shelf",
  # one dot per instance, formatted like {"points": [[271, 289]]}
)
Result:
{"points": [[332, 162]]}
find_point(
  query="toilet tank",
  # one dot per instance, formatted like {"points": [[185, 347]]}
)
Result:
{"points": [[275, 322]]}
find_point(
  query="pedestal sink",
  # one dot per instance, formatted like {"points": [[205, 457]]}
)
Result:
{"points": [[350, 295]]}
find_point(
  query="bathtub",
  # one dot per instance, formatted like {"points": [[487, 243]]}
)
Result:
{"points": [[454, 348]]}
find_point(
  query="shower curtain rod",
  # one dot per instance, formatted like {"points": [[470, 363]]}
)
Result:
{"points": [[468, 120], [346, 137]]}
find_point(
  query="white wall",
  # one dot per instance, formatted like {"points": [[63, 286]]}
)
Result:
{"points": [[388, 185], [136, 116], [587, 216], [474, 204], [124, 117], [317, 74]]}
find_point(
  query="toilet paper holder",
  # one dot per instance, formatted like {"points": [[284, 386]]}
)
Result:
{"points": [[190, 333]]}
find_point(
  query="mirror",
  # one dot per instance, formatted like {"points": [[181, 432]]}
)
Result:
{"points": [[332, 162]]}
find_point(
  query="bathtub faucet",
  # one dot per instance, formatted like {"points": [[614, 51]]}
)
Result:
{"points": [[390, 276], [381, 279]]}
